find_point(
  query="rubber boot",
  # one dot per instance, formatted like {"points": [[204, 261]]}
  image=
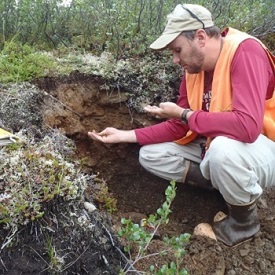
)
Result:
{"points": [[194, 177], [241, 224]]}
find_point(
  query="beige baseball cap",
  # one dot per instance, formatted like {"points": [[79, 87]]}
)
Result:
{"points": [[186, 17]]}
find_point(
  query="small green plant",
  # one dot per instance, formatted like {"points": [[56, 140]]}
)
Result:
{"points": [[56, 263], [138, 235], [99, 191], [177, 245], [103, 196]]}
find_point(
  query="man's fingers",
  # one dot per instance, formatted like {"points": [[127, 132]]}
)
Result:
{"points": [[152, 109], [94, 135], [148, 108], [91, 134]]}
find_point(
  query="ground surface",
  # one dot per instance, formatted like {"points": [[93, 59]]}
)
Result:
{"points": [[76, 104]]}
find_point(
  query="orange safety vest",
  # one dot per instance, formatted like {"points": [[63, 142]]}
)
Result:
{"points": [[222, 102]]}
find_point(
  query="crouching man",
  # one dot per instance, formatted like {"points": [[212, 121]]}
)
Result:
{"points": [[220, 134]]}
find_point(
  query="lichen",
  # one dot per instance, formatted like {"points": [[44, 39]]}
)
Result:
{"points": [[34, 172]]}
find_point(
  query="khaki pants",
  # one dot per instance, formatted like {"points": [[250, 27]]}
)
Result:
{"points": [[240, 171]]}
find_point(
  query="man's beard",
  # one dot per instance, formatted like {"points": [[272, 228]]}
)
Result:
{"points": [[196, 67]]}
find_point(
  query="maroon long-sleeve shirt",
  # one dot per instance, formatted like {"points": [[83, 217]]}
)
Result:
{"points": [[252, 83]]}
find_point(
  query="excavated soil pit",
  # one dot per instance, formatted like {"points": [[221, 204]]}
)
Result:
{"points": [[78, 104]]}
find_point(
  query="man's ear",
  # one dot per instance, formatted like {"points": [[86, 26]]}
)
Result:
{"points": [[201, 37]]}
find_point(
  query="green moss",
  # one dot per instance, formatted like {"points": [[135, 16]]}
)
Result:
{"points": [[20, 62]]}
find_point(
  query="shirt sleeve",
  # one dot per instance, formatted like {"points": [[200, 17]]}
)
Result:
{"points": [[168, 130], [251, 75]]}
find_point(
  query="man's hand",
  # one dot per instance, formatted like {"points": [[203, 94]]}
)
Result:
{"points": [[113, 135], [165, 110]]}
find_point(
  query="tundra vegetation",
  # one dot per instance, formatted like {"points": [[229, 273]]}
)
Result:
{"points": [[109, 39]]}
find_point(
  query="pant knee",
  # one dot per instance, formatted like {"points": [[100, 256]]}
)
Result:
{"points": [[229, 173], [143, 157], [162, 161]]}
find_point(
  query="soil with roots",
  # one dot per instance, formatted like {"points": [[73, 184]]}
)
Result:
{"points": [[77, 104]]}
